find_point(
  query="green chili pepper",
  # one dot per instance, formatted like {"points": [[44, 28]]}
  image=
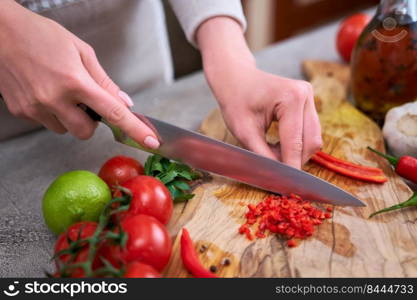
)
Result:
{"points": [[410, 202]]}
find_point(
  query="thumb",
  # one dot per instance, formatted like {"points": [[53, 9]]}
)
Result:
{"points": [[96, 71]]}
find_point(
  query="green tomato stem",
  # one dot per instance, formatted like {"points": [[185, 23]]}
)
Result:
{"points": [[94, 240]]}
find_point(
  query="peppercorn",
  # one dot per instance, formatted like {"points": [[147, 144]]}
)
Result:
{"points": [[225, 262], [213, 269], [203, 248]]}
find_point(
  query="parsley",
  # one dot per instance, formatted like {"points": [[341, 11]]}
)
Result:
{"points": [[174, 175]]}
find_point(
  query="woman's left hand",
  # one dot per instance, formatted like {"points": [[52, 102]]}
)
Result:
{"points": [[250, 99]]}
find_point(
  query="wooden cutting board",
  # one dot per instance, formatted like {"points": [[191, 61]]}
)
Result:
{"points": [[348, 245]]}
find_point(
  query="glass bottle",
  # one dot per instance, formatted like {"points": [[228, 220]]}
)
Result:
{"points": [[384, 62]]}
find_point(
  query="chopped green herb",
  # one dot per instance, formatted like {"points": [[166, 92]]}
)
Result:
{"points": [[174, 175]]}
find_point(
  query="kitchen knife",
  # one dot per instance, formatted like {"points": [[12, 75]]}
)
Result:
{"points": [[204, 153]]}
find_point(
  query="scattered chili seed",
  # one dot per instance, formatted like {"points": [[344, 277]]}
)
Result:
{"points": [[213, 269], [329, 208], [291, 217]]}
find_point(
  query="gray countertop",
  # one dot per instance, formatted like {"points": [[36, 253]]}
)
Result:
{"points": [[30, 162]]}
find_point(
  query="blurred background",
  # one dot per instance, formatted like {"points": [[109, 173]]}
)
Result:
{"points": [[269, 21]]}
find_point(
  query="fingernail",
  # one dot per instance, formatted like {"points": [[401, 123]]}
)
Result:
{"points": [[125, 97], [151, 142]]}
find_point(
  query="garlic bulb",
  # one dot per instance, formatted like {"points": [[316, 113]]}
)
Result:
{"points": [[400, 129]]}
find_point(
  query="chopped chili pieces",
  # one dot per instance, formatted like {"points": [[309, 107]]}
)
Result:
{"points": [[369, 174], [291, 243], [291, 217]]}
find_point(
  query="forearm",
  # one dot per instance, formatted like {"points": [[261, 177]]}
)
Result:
{"points": [[12, 15], [221, 42], [225, 55], [250, 99]]}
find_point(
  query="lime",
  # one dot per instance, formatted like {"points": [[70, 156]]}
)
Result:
{"points": [[72, 197]]}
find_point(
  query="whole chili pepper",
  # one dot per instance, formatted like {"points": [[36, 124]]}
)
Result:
{"points": [[349, 169], [190, 258], [405, 166], [410, 202]]}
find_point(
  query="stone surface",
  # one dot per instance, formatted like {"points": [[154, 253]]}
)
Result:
{"points": [[30, 162]]}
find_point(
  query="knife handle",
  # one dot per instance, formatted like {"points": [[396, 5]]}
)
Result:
{"points": [[96, 117], [91, 113]]}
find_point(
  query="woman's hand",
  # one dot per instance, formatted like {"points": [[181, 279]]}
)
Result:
{"points": [[251, 99], [46, 72]]}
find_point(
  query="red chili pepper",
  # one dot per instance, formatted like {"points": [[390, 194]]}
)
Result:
{"points": [[190, 258], [349, 169], [405, 166]]}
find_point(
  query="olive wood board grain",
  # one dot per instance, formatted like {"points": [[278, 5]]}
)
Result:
{"points": [[347, 245]]}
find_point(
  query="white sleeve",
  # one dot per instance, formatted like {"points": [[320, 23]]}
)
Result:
{"points": [[192, 13]]}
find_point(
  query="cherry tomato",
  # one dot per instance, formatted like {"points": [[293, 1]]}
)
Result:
{"points": [[119, 169], [137, 269], [148, 241], [117, 218], [150, 197], [112, 253], [76, 272], [349, 32], [80, 230]]}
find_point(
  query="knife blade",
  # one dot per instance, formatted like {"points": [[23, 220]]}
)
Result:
{"points": [[207, 154]]}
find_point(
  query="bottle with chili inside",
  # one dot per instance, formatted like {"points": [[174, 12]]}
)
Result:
{"points": [[384, 62]]}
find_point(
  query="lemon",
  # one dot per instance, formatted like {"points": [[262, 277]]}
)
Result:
{"points": [[72, 197]]}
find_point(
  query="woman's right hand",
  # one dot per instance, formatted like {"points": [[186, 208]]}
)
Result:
{"points": [[46, 72]]}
